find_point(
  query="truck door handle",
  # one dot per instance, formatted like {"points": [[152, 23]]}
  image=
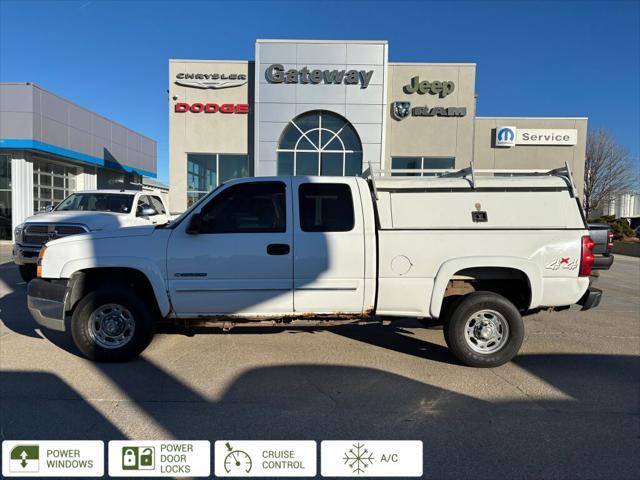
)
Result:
{"points": [[278, 249]]}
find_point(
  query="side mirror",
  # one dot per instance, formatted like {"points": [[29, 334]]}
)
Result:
{"points": [[51, 207], [147, 212], [195, 224]]}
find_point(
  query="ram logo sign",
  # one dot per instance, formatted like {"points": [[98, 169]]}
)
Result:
{"points": [[506, 137]]}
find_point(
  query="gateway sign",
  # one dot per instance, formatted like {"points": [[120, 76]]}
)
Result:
{"points": [[511, 136], [276, 73]]}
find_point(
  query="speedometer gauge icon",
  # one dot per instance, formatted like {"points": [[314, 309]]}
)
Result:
{"points": [[237, 460]]}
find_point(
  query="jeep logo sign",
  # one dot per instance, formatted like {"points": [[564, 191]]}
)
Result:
{"points": [[442, 89]]}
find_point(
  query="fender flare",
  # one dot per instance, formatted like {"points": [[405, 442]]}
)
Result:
{"points": [[448, 269], [146, 267]]}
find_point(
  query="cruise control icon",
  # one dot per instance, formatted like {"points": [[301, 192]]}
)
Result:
{"points": [[25, 458], [138, 458]]}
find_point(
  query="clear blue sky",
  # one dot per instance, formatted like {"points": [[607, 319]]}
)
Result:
{"points": [[534, 58]]}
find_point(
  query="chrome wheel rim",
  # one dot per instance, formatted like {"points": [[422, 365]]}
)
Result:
{"points": [[111, 326], [486, 331]]}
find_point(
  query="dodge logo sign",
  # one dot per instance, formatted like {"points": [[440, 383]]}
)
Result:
{"points": [[211, 107], [400, 110]]}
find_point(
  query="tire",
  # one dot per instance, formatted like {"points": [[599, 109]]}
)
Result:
{"points": [[491, 345], [116, 314], [28, 272]]}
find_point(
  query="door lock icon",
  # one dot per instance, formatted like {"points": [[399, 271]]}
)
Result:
{"points": [[138, 458]]}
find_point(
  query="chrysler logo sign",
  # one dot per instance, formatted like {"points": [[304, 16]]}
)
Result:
{"points": [[402, 110], [211, 80]]}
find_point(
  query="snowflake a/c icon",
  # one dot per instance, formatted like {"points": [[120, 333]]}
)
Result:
{"points": [[358, 458]]}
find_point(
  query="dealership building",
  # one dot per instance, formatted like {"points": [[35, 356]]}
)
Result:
{"points": [[51, 147], [317, 107]]}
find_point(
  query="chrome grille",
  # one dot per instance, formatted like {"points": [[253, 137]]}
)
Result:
{"points": [[39, 234]]}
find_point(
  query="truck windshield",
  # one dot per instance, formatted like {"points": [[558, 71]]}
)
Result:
{"points": [[97, 202]]}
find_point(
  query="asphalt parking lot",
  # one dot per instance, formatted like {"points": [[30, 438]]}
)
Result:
{"points": [[567, 407]]}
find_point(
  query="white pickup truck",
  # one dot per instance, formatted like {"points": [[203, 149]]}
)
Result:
{"points": [[477, 250], [81, 212]]}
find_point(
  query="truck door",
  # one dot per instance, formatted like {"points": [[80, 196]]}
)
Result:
{"points": [[329, 253], [241, 259]]}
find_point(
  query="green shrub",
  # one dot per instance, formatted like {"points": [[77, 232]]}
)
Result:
{"points": [[620, 226]]}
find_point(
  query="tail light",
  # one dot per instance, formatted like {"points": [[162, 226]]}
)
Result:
{"points": [[587, 258], [609, 241]]}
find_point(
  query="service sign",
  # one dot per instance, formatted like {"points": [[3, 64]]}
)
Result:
{"points": [[511, 136]]}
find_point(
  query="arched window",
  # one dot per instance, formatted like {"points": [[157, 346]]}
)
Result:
{"points": [[319, 143]]}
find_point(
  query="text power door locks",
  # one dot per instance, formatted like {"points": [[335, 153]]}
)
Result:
{"points": [[278, 249]]}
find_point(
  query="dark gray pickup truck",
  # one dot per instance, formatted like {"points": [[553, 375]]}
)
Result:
{"points": [[602, 235]]}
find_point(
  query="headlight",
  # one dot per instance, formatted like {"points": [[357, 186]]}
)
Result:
{"points": [[40, 259], [17, 233]]}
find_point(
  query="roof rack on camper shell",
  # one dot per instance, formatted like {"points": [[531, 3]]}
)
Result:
{"points": [[470, 174]]}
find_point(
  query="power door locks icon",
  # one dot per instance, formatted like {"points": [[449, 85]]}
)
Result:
{"points": [[138, 458]]}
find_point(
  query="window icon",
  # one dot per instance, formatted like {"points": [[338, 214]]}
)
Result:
{"points": [[138, 458], [25, 458]]}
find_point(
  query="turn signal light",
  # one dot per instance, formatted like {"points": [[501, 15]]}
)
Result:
{"points": [[587, 258], [40, 257]]}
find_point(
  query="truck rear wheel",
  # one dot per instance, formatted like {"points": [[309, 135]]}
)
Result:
{"points": [[484, 330], [28, 272], [112, 325]]}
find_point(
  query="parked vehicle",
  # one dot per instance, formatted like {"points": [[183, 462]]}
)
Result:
{"points": [[602, 236], [476, 249], [638, 231], [82, 212]]}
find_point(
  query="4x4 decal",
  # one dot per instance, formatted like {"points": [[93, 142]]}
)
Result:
{"points": [[564, 263]]}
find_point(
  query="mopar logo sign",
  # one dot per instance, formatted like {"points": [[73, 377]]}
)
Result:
{"points": [[505, 136]]}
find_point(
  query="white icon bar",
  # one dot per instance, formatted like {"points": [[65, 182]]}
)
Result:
{"points": [[159, 458], [265, 458], [52, 458], [371, 458]]}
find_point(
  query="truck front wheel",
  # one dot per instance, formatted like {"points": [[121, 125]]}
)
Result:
{"points": [[484, 330], [112, 325]]}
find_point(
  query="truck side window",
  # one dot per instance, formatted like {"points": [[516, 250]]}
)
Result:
{"points": [[143, 202], [325, 207], [258, 207], [158, 205]]}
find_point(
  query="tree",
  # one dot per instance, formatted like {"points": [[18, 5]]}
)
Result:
{"points": [[608, 169]]}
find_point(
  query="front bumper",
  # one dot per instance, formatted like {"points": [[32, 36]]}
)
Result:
{"points": [[24, 255], [591, 298], [46, 302]]}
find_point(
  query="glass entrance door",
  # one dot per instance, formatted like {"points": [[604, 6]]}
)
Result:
{"points": [[5, 197]]}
